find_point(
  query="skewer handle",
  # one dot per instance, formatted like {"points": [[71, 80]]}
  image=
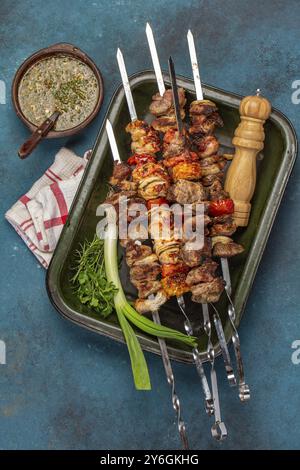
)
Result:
{"points": [[248, 140]]}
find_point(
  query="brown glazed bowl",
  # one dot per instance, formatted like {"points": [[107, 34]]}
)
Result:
{"points": [[66, 49]]}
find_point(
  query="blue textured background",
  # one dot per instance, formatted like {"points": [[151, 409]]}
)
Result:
{"points": [[64, 387]]}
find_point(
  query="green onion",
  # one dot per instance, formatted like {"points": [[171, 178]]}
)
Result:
{"points": [[127, 313]]}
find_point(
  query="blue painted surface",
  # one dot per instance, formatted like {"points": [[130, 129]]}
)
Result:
{"points": [[66, 388]]}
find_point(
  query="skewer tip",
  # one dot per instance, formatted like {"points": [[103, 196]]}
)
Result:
{"points": [[148, 27], [189, 33], [119, 52]]}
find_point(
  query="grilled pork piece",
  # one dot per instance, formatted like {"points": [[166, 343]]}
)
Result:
{"points": [[204, 117], [186, 192], [194, 257], [136, 252], [146, 268], [174, 143], [217, 192], [206, 146], [151, 305], [206, 292], [209, 179], [121, 172], [223, 229], [203, 273], [163, 105], [227, 250], [146, 288]]}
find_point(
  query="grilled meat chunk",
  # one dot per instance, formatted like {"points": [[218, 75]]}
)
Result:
{"points": [[187, 171], [209, 179], [217, 192], [203, 273], [227, 250], [205, 125], [175, 285], [206, 145], [163, 105], [164, 123], [147, 268], [194, 257], [151, 305], [144, 138], [121, 172], [208, 291], [202, 107], [174, 143], [186, 192], [136, 252], [146, 288], [223, 229]]}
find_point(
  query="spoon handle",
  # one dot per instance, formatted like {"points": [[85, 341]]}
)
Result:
{"points": [[30, 144]]}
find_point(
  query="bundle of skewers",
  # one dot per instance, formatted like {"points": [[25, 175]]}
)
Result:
{"points": [[173, 161]]}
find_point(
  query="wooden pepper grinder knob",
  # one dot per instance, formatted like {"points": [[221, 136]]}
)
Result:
{"points": [[248, 140]]}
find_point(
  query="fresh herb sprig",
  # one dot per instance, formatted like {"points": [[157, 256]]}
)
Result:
{"points": [[90, 281]]}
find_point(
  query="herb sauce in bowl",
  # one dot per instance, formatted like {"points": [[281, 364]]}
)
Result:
{"points": [[58, 83]]}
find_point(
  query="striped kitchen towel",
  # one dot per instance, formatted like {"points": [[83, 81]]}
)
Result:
{"points": [[40, 214]]}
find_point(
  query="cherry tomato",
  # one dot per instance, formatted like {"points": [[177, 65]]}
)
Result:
{"points": [[140, 159], [221, 207]]}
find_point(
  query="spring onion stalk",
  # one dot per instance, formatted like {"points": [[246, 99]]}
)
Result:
{"points": [[126, 313]]}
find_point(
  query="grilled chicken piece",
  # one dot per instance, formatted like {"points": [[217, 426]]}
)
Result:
{"points": [[187, 171], [194, 257], [144, 138], [147, 268], [146, 288], [163, 105], [175, 285], [215, 158], [149, 169], [136, 252], [151, 305], [208, 291], [121, 172], [186, 192], [227, 250], [203, 273]]}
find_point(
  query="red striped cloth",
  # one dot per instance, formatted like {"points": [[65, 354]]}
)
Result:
{"points": [[40, 214]]}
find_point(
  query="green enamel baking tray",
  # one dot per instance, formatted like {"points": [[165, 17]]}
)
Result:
{"points": [[274, 168]]}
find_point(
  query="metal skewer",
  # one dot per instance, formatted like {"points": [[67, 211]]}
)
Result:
{"points": [[217, 321], [180, 299], [244, 392], [156, 319], [199, 366], [155, 315], [155, 60]]}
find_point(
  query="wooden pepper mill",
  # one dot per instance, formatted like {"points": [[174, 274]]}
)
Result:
{"points": [[248, 140]]}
